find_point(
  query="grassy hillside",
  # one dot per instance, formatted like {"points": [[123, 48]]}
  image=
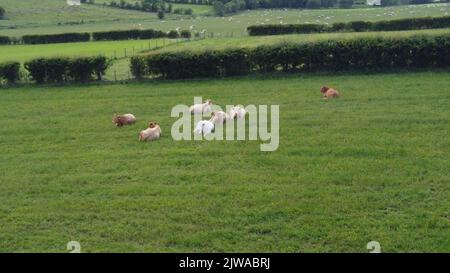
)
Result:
{"points": [[117, 49], [197, 9], [252, 41], [54, 16], [372, 165], [31, 13]]}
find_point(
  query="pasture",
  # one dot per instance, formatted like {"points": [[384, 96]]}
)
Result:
{"points": [[196, 9], [54, 16], [120, 51], [252, 41], [112, 49], [372, 165]]}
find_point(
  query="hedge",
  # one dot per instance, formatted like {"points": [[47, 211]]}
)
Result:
{"points": [[133, 34], [4, 40], [399, 24], [115, 35], [331, 55], [56, 38], [10, 72], [63, 69]]}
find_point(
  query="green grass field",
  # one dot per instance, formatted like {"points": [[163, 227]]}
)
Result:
{"points": [[372, 165], [117, 49], [113, 49], [54, 16], [196, 9], [254, 41]]}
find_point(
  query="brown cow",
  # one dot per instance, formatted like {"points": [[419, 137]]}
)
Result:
{"points": [[153, 132], [329, 93], [120, 120]]}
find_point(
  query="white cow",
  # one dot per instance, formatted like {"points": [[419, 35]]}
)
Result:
{"points": [[204, 127], [201, 108]]}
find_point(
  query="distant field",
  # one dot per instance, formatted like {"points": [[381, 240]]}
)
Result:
{"points": [[197, 9], [26, 18], [45, 13], [120, 51], [252, 41], [116, 49], [372, 165]]}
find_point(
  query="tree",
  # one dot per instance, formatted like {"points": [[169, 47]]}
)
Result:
{"points": [[313, 4], [420, 2], [161, 14], [2, 13], [251, 4], [219, 8], [329, 3], [385, 3], [346, 4]]}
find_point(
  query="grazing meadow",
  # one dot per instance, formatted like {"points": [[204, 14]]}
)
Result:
{"points": [[252, 41], [372, 165], [54, 16], [112, 49]]}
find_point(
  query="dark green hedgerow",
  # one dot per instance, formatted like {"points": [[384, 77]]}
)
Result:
{"points": [[329, 55], [57, 70], [358, 26], [4, 40], [56, 38], [10, 72]]}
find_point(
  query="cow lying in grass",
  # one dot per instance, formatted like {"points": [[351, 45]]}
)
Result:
{"points": [[220, 117], [201, 108], [153, 132], [120, 120], [204, 127], [329, 93], [238, 112]]}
